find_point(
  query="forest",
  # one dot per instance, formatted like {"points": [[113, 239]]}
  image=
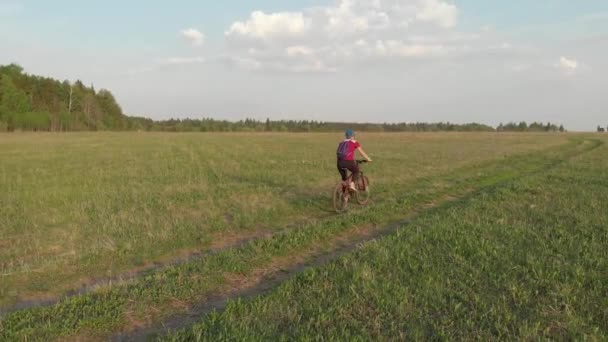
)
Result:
{"points": [[34, 103]]}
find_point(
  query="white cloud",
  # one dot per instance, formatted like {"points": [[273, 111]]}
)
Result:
{"points": [[567, 66], [267, 26], [345, 19], [194, 36], [349, 31], [299, 50], [438, 12], [395, 48]]}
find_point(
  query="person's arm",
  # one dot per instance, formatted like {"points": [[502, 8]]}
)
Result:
{"points": [[360, 149]]}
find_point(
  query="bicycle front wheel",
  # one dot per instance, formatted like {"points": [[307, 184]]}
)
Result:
{"points": [[340, 201]]}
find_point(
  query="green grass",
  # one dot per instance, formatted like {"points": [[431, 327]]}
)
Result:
{"points": [[78, 207], [155, 296], [522, 259]]}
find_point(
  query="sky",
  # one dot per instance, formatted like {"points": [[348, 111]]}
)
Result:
{"points": [[485, 61]]}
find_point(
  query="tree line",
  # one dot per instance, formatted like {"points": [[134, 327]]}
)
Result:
{"points": [[34, 103], [533, 127], [253, 125]]}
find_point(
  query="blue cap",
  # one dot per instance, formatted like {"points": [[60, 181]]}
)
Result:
{"points": [[349, 133]]}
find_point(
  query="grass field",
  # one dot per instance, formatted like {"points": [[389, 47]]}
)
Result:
{"points": [[77, 208], [522, 260]]}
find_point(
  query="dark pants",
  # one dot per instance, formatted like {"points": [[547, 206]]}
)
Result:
{"points": [[349, 165]]}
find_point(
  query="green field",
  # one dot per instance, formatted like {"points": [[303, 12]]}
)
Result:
{"points": [[506, 236]]}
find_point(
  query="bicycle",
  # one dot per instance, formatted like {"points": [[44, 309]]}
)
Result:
{"points": [[343, 192]]}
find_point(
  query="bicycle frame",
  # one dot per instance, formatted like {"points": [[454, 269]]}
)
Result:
{"points": [[343, 191], [346, 187]]}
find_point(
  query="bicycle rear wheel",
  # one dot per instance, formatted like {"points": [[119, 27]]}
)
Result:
{"points": [[340, 201], [363, 193]]}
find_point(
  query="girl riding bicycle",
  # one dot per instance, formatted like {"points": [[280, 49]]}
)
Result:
{"points": [[346, 157]]}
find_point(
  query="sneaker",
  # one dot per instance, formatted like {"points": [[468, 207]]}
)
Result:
{"points": [[352, 186]]}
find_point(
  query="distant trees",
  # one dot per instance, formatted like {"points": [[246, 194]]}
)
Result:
{"points": [[36, 103], [252, 125], [533, 127], [600, 129]]}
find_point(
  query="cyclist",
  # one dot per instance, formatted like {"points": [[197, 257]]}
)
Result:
{"points": [[346, 157]]}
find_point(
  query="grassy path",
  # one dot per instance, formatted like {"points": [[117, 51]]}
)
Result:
{"points": [[162, 294]]}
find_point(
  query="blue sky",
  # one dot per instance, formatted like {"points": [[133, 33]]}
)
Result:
{"points": [[397, 60]]}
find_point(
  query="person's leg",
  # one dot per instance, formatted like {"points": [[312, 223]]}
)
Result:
{"points": [[353, 167], [355, 171], [342, 170]]}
